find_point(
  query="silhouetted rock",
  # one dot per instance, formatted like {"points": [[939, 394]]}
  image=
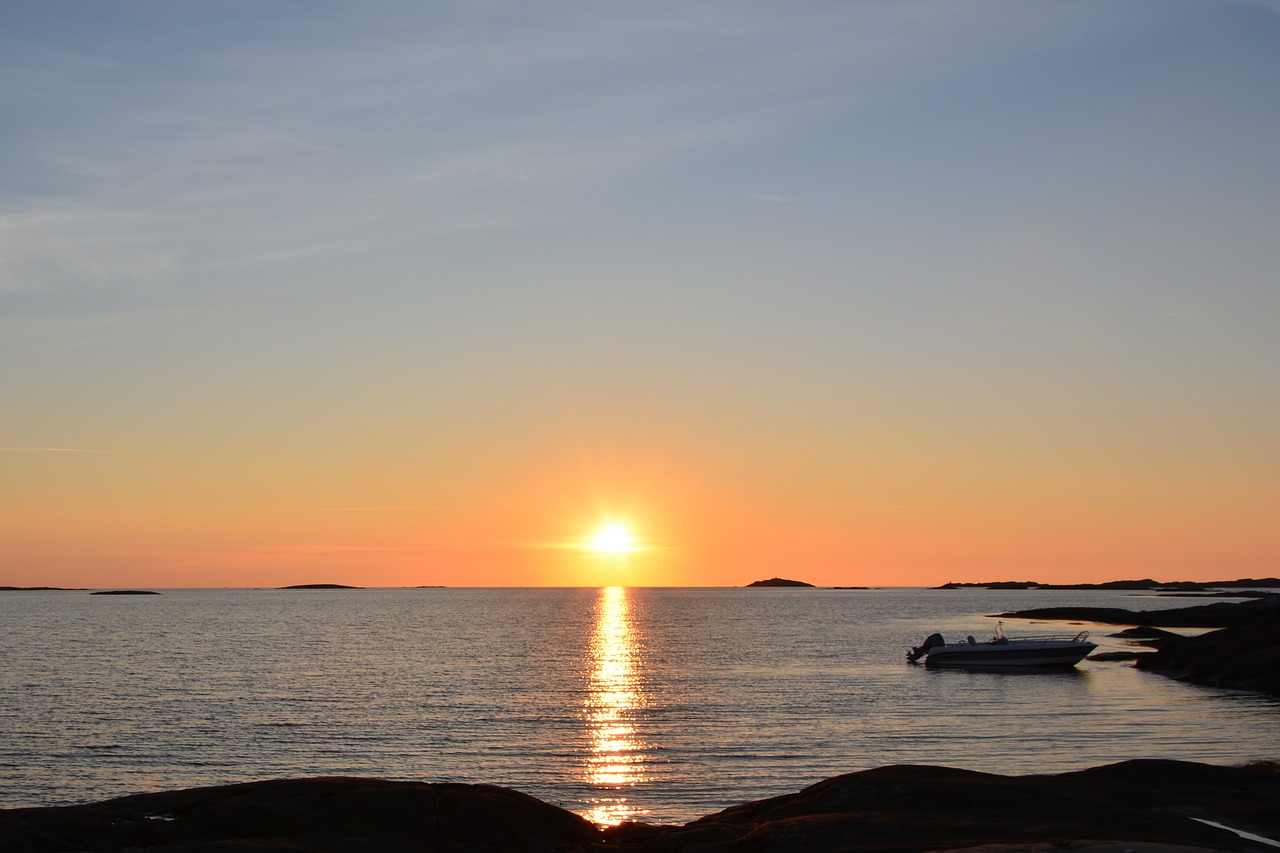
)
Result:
{"points": [[1113, 656], [1143, 635], [1248, 583], [342, 815], [125, 592], [992, 585], [1144, 584], [320, 586], [1147, 805], [1245, 657], [917, 808], [40, 589], [1144, 632], [1238, 593], [778, 582], [1218, 615]]}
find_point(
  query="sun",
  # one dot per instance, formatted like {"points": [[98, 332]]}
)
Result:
{"points": [[613, 538]]}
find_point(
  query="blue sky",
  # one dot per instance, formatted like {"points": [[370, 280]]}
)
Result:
{"points": [[993, 242]]}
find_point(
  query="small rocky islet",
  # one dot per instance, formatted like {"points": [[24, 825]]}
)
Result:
{"points": [[787, 582], [320, 586]]}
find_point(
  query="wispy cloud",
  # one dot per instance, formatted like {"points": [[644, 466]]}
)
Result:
{"points": [[55, 450], [48, 244], [247, 510], [359, 132], [390, 508]]}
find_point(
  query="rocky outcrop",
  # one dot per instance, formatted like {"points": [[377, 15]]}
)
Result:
{"points": [[1217, 615], [125, 592], [1245, 658], [932, 808], [1145, 635], [325, 815], [1140, 806], [1245, 655], [778, 582]]}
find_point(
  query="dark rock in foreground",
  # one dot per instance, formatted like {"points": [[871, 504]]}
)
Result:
{"points": [[1243, 658], [125, 592], [325, 814], [915, 808], [1147, 805], [778, 582]]}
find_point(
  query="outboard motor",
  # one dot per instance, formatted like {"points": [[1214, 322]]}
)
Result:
{"points": [[931, 641]]}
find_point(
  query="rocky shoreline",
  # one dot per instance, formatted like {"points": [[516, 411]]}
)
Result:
{"points": [[1246, 657], [1139, 806], [1244, 654]]}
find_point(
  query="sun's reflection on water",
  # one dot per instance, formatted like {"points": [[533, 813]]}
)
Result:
{"points": [[614, 699]]}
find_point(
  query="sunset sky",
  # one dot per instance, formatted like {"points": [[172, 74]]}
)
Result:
{"points": [[878, 292]]}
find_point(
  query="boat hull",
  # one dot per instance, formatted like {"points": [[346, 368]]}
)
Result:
{"points": [[1009, 655]]}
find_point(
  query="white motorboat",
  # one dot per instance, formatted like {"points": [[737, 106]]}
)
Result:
{"points": [[1004, 651]]}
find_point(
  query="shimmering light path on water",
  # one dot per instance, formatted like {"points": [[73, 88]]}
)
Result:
{"points": [[614, 701], [659, 704]]}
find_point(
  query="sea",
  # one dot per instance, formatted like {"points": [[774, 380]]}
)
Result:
{"points": [[657, 705]]}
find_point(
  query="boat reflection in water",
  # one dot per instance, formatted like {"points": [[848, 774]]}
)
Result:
{"points": [[614, 700]]}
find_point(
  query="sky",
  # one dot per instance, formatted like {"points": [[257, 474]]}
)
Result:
{"points": [[865, 293]]}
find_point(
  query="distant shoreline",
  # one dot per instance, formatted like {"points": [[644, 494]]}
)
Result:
{"points": [[1142, 585], [1145, 584]]}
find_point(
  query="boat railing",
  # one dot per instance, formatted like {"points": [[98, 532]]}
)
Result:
{"points": [[1082, 637]]}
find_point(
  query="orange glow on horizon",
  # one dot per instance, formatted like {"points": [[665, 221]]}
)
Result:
{"points": [[532, 519]]}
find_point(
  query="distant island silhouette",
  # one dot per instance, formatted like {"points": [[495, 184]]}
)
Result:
{"points": [[125, 592], [1136, 585], [778, 582], [320, 586], [41, 589]]}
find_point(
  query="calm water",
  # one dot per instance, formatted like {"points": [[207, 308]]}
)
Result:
{"points": [[657, 704]]}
